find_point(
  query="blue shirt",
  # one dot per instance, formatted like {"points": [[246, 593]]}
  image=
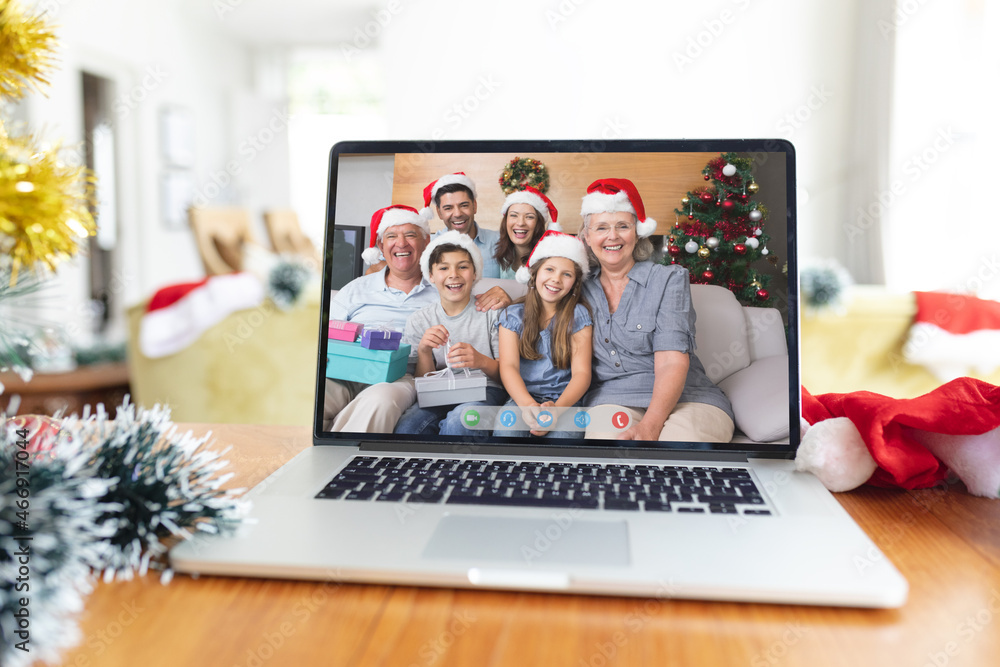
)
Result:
{"points": [[655, 313], [486, 240], [543, 380], [370, 301]]}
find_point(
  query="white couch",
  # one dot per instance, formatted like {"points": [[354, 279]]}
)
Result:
{"points": [[744, 351]]}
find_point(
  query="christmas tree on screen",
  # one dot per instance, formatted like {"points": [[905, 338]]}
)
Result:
{"points": [[719, 234]]}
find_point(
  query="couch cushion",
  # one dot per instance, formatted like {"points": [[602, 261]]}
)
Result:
{"points": [[720, 331], [761, 415]]}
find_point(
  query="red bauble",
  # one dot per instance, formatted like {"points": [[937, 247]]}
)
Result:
{"points": [[690, 216], [707, 177], [707, 275], [762, 294], [740, 249], [727, 205], [706, 197], [673, 250]]}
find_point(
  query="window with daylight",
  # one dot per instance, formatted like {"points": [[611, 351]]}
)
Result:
{"points": [[333, 96], [941, 229]]}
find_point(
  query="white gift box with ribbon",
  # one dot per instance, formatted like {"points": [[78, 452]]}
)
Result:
{"points": [[446, 387]]}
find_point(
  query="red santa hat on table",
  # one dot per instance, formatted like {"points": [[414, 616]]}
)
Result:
{"points": [[555, 244], [458, 178], [539, 201], [611, 195], [392, 216], [453, 237]]}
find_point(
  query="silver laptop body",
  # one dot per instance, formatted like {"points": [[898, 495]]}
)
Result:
{"points": [[794, 545]]}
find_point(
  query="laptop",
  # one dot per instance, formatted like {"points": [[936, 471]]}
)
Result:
{"points": [[727, 520]]}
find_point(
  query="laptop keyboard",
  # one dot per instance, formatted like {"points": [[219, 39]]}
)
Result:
{"points": [[650, 488]]}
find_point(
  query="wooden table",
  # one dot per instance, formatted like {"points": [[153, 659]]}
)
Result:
{"points": [[944, 541], [47, 393]]}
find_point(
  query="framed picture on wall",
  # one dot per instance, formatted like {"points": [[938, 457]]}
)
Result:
{"points": [[177, 144], [176, 195]]}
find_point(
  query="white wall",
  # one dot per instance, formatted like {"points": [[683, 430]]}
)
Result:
{"points": [[157, 55], [634, 69]]}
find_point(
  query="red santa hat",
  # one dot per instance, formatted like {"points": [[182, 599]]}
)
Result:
{"points": [[453, 237], [391, 216], [555, 244], [611, 195], [539, 201], [458, 178], [177, 315]]}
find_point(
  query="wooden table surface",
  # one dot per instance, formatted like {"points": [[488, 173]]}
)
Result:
{"points": [[944, 541]]}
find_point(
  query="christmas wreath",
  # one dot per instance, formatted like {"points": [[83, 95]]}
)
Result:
{"points": [[524, 171]]}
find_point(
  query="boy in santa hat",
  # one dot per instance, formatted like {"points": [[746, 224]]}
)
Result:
{"points": [[452, 333]]}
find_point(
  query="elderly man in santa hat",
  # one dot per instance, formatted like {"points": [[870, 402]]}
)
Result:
{"points": [[386, 297]]}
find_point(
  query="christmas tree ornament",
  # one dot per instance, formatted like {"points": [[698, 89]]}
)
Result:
{"points": [[758, 231], [706, 197], [45, 204], [673, 250], [755, 215], [752, 243], [707, 177], [755, 284], [752, 188], [712, 242], [685, 201], [27, 50], [727, 205], [691, 246], [729, 169], [762, 294], [764, 251], [739, 249], [704, 252], [707, 274]]}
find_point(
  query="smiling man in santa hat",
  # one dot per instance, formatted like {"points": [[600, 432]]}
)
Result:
{"points": [[386, 297]]}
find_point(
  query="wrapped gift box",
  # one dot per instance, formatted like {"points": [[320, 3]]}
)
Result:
{"points": [[450, 388], [347, 331], [381, 339], [351, 361]]}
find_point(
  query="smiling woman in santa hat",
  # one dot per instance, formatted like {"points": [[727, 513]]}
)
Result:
{"points": [[644, 360], [386, 297], [527, 214]]}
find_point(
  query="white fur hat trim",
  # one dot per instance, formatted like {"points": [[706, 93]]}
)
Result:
{"points": [[453, 237]]}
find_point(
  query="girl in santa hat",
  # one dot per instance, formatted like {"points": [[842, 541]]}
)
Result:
{"points": [[526, 215], [545, 340]]}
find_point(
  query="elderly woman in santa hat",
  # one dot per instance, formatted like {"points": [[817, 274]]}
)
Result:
{"points": [[386, 297], [647, 383]]}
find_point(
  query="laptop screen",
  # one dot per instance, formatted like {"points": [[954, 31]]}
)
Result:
{"points": [[634, 295]]}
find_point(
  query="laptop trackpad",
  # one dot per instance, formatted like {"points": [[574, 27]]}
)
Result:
{"points": [[562, 539]]}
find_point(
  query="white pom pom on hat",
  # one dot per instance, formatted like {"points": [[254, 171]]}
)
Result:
{"points": [[536, 199], [453, 237], [458, 178], [555, 244], [611, 195]]}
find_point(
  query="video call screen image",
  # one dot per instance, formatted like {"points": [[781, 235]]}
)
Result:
{"points": [[682, 333]]}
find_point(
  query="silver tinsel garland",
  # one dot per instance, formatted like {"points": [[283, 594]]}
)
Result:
{"points": [[106, 496]]}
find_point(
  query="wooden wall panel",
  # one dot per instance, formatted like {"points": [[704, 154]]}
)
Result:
{"points": [[662, 179]]}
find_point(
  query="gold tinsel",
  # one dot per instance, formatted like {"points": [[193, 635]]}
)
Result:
{"points": [[45, 204], [27, 43]]}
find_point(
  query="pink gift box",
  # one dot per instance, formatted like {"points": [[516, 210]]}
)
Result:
{"points": [[346, 331]]}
